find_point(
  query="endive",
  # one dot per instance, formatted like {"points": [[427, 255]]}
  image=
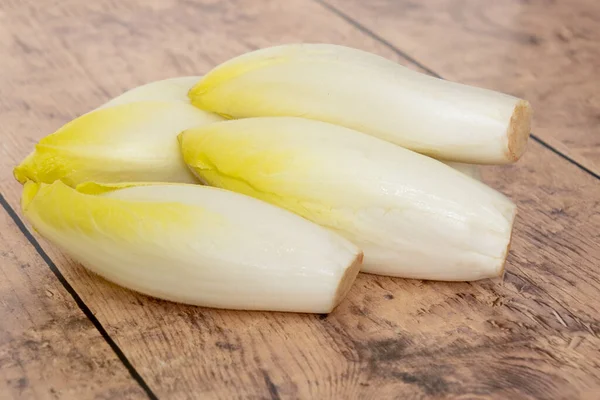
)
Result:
{"points": [[467, 169], [413, 216], [197, 245], [176, 89], [128, 142], [172, 89], [373, 95]]}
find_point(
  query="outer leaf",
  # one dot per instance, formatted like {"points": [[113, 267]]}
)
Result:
{"points": [[373, 95], [413, 216], [172, 89], [129, 142], [471, 170], [197, 245]]}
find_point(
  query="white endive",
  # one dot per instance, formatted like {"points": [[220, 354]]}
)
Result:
{"points": [[471, 170], [172, 89], [413, 216], [371, 94], [128, 142], [196, 245]]}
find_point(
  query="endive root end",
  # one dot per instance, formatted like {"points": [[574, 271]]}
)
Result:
{"points": [[347, 281], [519, 130], [506, 252]]}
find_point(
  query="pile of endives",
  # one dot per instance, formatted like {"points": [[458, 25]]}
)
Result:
{"points": [[260, 185]]}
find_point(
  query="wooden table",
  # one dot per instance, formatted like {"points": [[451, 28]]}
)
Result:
{"points": [[67, 334]]}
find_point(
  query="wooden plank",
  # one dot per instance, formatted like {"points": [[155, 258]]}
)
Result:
{"points": [[544, 51], [532, 335], [48, 348]]}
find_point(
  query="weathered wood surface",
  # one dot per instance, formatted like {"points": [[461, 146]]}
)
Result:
{"points": [[48, 348], [541, 50], [532, 335]]}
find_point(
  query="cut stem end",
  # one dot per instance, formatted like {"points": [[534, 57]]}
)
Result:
{"points": [[519, 130], [347, 281]]}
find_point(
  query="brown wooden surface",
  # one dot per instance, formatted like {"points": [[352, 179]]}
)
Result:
{"points": [[48, 348], [544, 51], [531, 335]]}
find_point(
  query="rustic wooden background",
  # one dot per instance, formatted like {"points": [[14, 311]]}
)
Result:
{"points": [[66, 334]]}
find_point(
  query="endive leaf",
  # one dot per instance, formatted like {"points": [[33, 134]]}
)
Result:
{"points": [[373, 95], [412, 215], [471, 170], [102, 188], [197, 245], [172, 89], [129, 142]]}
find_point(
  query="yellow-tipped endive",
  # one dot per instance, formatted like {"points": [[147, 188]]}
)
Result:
{"points": [[412, 215], [371, 94], [128, 142], [196, 245], [172, 89]]}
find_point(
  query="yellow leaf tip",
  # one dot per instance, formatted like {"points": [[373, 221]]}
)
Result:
{"points": [[95, 188], [20, 174], [195, 93], [98, 188], [30, 190], [180, 137], [23, 172]]}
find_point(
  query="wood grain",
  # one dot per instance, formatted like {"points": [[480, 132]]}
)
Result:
{"points": [[48, 348], [532, 335], [544, 51]]}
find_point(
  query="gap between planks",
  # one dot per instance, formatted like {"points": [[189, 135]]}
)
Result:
{"points": [[80, 303], [407, 57]]}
